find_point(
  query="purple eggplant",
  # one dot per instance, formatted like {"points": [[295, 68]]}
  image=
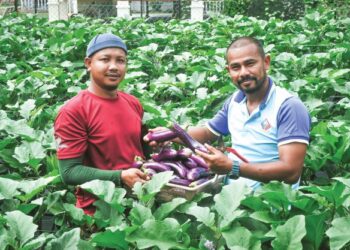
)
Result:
{"points": [[187, 139], [196, 173], [200, 161], [190, 163], [160, 136], [181, 182], [136, 164], [165, 155], [178, 168], [184, 153], [156, 166], [198, 182], [149, 171]]}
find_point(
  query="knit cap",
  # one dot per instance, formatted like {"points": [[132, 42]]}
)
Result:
{"points": [[104, 41]]}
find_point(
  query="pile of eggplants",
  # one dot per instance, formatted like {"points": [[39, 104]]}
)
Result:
{"points": [[189, 169]]}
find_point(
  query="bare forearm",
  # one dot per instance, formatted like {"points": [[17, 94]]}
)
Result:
{"points": [[265, 172], [202, 134]]}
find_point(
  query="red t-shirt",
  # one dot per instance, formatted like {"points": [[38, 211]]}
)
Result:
{"points": [[105, 132]]}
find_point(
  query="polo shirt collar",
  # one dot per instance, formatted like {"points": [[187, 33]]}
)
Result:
{"points": [[241, 96]]}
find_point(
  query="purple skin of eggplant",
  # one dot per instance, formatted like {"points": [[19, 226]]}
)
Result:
{"points": [[178, 168], [165, 154], [196, 173], [188, 140], [200, 161], [190, 163], [161, 136], [156, 166], [199, 182], [149, 171], [181, 182], [184, 153], [136, 164]]}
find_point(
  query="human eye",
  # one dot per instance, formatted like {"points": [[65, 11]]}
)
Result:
{"points": [[250, 63], [121, 60], [234, 67], [104, 59]]}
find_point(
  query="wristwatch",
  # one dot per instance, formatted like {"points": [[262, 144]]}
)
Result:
{"points": [[234, 174]]}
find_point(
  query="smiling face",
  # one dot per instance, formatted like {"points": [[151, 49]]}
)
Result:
{"points": [[247, 68], [107, 68]]}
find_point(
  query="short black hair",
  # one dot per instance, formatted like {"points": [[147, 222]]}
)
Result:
{"points": [[245, 40]]}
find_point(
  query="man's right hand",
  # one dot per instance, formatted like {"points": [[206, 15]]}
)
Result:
{"points": [[155, 145], [130, 176]]}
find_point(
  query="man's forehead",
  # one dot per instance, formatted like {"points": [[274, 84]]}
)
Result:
{"points": [[246, 52]]}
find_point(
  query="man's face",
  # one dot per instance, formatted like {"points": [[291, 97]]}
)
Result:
{"points": [[247, 68], [107, 68]]}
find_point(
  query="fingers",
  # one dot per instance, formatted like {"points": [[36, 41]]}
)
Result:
{"points": [[211, 148], [143, 176]]}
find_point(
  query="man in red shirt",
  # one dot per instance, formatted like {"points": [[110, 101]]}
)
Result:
{"points": [[98, 132]]}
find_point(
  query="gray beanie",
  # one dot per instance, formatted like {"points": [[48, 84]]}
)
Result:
{"points": [[104, 41]]}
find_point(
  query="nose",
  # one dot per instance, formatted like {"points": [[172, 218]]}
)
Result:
{"points": [[244, 71], [113, 66]]}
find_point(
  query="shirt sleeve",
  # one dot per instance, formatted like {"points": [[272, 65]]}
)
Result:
{"points": [[219, 123], [293, 122], [70, 135], [74, 173]]}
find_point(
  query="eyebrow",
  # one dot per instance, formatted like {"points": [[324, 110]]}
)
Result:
{"points": [[250, 60]]}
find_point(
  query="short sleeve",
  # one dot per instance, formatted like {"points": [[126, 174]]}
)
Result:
{"points": [[293, 122], [70, 135], [219, 123]]}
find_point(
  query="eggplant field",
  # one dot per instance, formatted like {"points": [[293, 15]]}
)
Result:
{"points": [[177, 69]]}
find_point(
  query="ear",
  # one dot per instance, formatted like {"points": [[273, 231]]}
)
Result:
{"points": [[267, 62], [87, 62]]}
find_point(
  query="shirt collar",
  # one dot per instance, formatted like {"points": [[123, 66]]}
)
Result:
{"points": [[240, 96]]}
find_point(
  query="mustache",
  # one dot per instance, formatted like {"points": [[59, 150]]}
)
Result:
{"points": [[246, 78]]}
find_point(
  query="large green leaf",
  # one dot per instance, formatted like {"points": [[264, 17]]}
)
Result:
{"points": [[139, 214], [337, 233], [289, 235], [8, 188], [229, 198], [241, 238], [315, 229], [203, 215], [166, 208], [162, 234], [29, 152], [68, 240], [109, 239], [33, 187], [102, 189], [22, 225]]}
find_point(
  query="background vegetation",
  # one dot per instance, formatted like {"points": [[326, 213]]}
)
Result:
{"points": [[177, 70]]}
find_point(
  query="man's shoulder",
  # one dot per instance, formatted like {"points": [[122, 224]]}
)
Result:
{"points": [[75, 103], [127, 96]]}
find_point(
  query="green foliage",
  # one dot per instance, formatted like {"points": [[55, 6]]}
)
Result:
{"points": [[177, 70]]}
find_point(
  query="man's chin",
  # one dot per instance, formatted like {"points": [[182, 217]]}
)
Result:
{"points": [[110, 87]]}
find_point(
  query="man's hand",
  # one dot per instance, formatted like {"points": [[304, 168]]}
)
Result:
{"points": [[130, 176], [218, 162], [155, 145]]}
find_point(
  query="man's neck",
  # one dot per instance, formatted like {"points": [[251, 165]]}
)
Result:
{"points": [[96, 90], [254, 99]]}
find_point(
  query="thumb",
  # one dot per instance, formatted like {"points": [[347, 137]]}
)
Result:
{"points": [[210, 148], [142, 175]]}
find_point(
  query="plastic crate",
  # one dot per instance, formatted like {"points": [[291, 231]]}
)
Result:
{"points": [[171, 191]]}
